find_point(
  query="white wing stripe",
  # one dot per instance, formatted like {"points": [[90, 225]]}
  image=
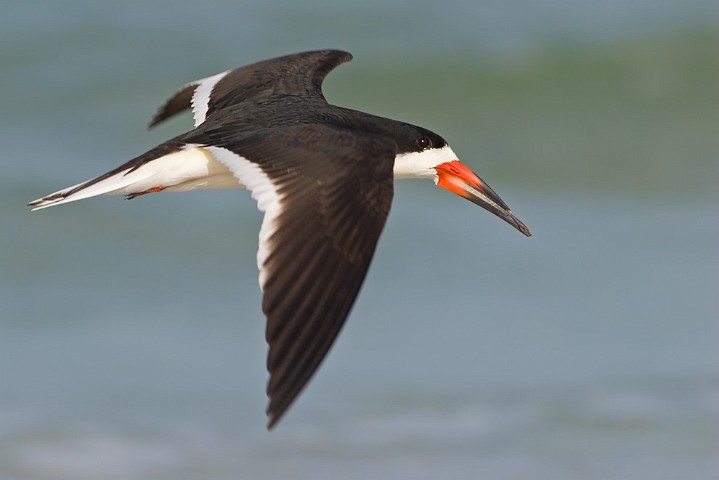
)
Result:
{"points": [[201, 97], [263, 191]]}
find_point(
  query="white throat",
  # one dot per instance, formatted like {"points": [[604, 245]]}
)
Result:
{"points": [[422, 164]]}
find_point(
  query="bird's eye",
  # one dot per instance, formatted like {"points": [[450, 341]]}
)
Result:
{"points": [[424, 143]]}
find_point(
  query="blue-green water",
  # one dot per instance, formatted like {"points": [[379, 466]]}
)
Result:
{"points": [[131, 339]]}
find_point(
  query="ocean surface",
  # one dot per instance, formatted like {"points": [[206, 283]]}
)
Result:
{"points": [[131, 338]]}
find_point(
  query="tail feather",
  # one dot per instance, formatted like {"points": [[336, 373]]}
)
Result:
{"points": [[115, 184], [170, 166]]}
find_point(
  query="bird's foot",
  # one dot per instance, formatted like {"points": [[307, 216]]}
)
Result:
{"points": [[145, 192]]}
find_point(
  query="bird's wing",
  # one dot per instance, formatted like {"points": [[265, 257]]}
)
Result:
{"points": [[326, 193], [299, 74]]}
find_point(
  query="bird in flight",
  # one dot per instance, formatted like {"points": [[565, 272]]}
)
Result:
{"points": [[323, 176]]}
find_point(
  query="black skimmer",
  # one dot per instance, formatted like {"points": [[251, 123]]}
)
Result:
{"points": [[323, 176]]}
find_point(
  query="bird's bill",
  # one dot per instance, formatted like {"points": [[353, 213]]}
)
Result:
{"points": [[458, 178]]}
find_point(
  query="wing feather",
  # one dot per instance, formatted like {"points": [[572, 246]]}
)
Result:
{"points": [[333, 190], [299, 74]]}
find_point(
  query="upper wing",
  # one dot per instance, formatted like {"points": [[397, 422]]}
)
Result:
{"points": [[300, 74], [326, 193]]}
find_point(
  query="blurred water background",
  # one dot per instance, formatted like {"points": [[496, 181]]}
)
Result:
{"points": [[131, 339]]}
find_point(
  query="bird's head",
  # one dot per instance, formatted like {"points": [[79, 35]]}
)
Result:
{"points": [[424, 154]]}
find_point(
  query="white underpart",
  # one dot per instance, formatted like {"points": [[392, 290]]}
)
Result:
{"points": [[190, 168], [422, 164], [201, 97], [263, 191]]}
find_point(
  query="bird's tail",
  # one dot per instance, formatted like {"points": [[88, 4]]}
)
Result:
{"points": [[167, 167]]}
